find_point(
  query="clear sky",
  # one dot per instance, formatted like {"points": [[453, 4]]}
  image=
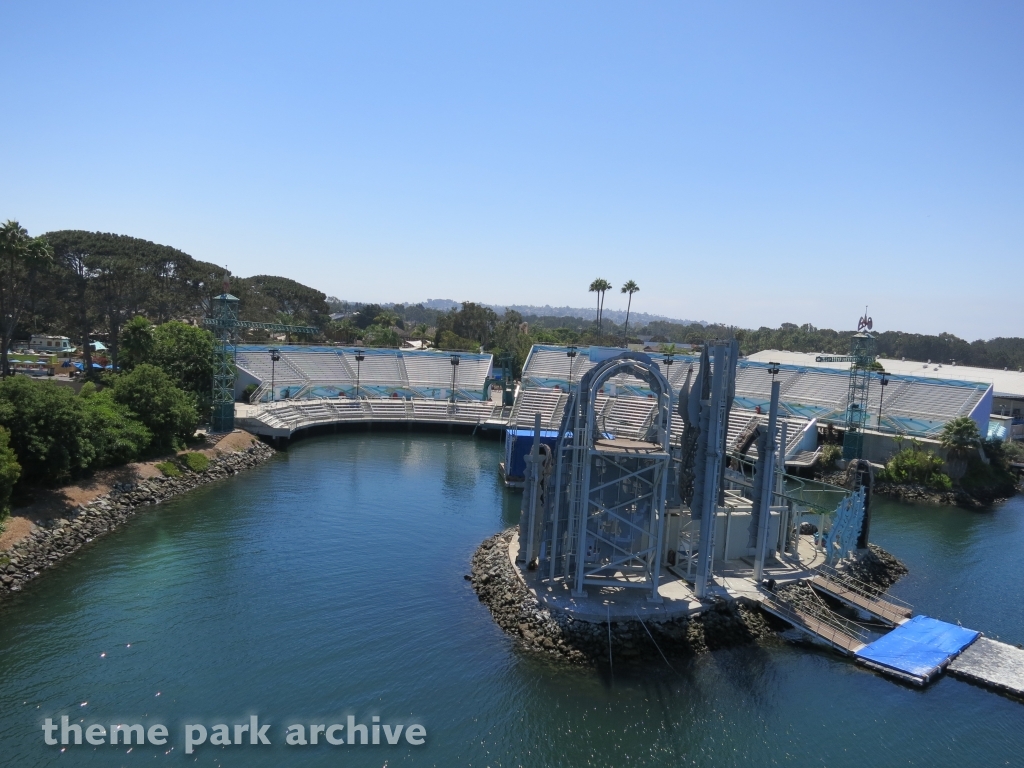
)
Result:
{"points": [[749, 163]]}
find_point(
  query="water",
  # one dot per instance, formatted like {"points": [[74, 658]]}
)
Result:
{"points": [[330, 582]]}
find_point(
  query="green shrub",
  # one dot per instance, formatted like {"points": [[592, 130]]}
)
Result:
{"points": [[987, 482], [197, 462], [10, 471], [169, 469], [1003, 454], [48, 430], [830, 454], [116, 433], [166, 411], [1013, 451], [915, 465]]}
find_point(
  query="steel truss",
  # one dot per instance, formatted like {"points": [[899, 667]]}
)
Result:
{"points": [[224, 324], [604, 521]]}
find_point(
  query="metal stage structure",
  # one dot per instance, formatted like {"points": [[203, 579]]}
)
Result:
{"points": [[704, 406], [602, 521], [224, 324], [606, 516]]}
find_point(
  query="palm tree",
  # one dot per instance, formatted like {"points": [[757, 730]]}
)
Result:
{"points": [[599, 286], [630, 288], [386, 319], [959, 437]]}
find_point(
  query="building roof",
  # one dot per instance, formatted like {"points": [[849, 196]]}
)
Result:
{"points": [[1004, 383]]}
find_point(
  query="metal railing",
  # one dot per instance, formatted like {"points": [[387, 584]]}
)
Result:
{"points": [[293, 415], [837, 631], [862, 588]]}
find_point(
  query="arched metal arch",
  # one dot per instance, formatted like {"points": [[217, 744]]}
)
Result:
{"points": [[607, 519]]}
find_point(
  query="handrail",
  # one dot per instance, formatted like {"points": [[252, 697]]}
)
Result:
{"points": [[862, 588], [293, 414], [837, 624]]}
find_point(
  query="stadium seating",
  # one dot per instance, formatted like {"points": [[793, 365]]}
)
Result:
{"points": [[416, 386], [381, 373], [549, 403]]}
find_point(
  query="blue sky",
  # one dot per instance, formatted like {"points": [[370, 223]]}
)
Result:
{"points": [[749, 163]]}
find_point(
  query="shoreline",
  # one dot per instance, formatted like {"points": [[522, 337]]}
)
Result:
{"points": [[917, 493], [536, 629], [48, 542], [913, 494]]}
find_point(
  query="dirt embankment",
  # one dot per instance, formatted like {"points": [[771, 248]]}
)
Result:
{"points": [[55, 503], [58, 522]]}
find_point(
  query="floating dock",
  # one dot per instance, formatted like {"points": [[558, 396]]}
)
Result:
{"points": [[992, 664], [918, 650]]}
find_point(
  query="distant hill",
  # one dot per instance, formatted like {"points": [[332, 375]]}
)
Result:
{"points": [[589, 313]]}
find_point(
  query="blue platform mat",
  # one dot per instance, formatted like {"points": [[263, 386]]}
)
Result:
{"points": [[919, 647]]}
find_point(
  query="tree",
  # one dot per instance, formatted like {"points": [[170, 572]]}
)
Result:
{"points": [[116, 433], [10, 471], [387, 319], [137, 342], [448, 340], [367, 315], [346, 331], [630, 288], [381, 336], [599, 286], [960, 438], [512, 336], [266, 298], [121, 291], [22, 259], [185, 353], [73, 278], [475, 321], [472, 322], [166, 411], [47, 427]]}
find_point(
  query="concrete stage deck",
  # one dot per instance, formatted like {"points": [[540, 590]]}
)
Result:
{"points": [[733, 582]]}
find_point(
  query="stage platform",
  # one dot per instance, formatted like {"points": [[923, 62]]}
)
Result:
{"points": [[918, 650]]}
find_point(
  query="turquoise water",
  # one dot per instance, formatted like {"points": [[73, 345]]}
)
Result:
{"points": [[330, 583]]}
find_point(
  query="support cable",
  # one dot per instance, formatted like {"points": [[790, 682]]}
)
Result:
{"points": [[611, 667], [653, 640]]}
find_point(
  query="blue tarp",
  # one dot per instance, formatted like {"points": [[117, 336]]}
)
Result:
{"points": [[919, 647], [518, 443]]}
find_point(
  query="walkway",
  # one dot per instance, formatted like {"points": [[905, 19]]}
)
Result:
{"points": [[858, 595], [283, 419]]}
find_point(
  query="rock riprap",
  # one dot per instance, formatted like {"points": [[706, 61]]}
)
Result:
{"points": [[539, 629], [53, 540]]}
